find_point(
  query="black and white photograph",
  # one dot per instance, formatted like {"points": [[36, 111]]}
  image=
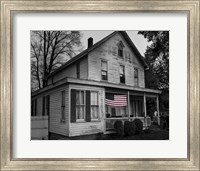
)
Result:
{"points": [[99, 84]]}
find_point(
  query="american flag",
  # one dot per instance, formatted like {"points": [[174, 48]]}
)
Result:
{"points": [[119, 100]]}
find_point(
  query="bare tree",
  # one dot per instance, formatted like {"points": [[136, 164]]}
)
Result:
{"points": [[49, 50]]}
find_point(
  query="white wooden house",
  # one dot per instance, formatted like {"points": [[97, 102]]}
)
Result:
{"points": [[75, 98]]}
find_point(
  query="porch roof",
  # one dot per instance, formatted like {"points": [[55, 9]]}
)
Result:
{"points": [[94, 83]]}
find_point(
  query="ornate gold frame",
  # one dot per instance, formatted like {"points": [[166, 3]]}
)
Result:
{"points": [[8, 8]]}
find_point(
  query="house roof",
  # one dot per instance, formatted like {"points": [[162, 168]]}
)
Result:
{"points": [[85, 52]]}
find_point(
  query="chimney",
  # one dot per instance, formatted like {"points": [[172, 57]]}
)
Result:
{"points": [[90, 42]]}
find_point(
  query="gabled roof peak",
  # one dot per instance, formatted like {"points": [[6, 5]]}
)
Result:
{"points": [[92, 47]]}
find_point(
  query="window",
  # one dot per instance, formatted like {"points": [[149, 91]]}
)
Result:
{"points": [[94, 105], [63, 106], [80, 105], [122, 74], [78, 70], [35, 113], [104, 70], [135, 77], [47, 105], [34, 107], [120, 49], [43, 106]]}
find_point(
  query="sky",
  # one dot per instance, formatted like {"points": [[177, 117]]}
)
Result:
{"points": [[139, 41]]}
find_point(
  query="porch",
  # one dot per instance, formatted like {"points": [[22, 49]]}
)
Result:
{"points": [[129, 105]]}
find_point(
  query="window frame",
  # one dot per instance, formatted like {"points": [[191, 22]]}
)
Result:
{"points": [[120, 75], [98, 105], [81, 105], [63, 100], [120, 50], [106, 71]]}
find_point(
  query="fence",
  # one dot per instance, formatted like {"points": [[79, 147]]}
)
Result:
{"points": [[39, 127]]}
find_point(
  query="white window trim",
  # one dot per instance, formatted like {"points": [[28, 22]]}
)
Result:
{"points": [[82, 120], [95, 119], [102, 60]]}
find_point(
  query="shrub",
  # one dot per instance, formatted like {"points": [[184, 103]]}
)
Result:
{"points": [[138, 126], [164, 122], [129, 128], [118, 125]]}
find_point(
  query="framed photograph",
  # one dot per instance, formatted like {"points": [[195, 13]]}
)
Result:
{"points": [[90, 85]]}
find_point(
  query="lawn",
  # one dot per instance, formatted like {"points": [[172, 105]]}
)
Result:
{"points": [[153, 133], [145, 135]]}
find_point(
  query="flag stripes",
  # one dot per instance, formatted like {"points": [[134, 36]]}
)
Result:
{"points": [[119, 101]]}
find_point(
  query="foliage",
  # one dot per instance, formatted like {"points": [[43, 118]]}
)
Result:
{"points": [[49, 50], [138, 126], [118, 125], [157, 57], [129, 128], [164, 121]]}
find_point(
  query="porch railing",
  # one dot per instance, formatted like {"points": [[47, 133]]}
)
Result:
{"points": [[110, 121]]}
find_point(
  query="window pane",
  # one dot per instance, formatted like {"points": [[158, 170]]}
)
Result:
{"points": [[77, 112], [81, 116], [120, 52], [82, 97], [63, 98], [94, 112], [77, 97], [122, 79], [94, 98], [121, 69], [136, 73], [104, 75], [104, 65], [136, 81], [63, 113]]}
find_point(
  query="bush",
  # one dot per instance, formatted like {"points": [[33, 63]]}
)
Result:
{"points": [[118, 125], [138, 126], [129, 128], [164, 121]]}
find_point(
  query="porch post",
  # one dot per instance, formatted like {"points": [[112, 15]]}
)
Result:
{"points": [[157, 99], [129, 105], [145, 110], [145, 106]]}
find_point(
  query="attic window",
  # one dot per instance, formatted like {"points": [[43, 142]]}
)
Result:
{"points": [[120, 49], [136, 77]]}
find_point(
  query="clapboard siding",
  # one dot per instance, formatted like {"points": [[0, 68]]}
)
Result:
{"points": [[81, 128], [108, 52], [68, 72], [39, 127], [77, 129], [56, 125], [84, 68], [71, 71]]}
